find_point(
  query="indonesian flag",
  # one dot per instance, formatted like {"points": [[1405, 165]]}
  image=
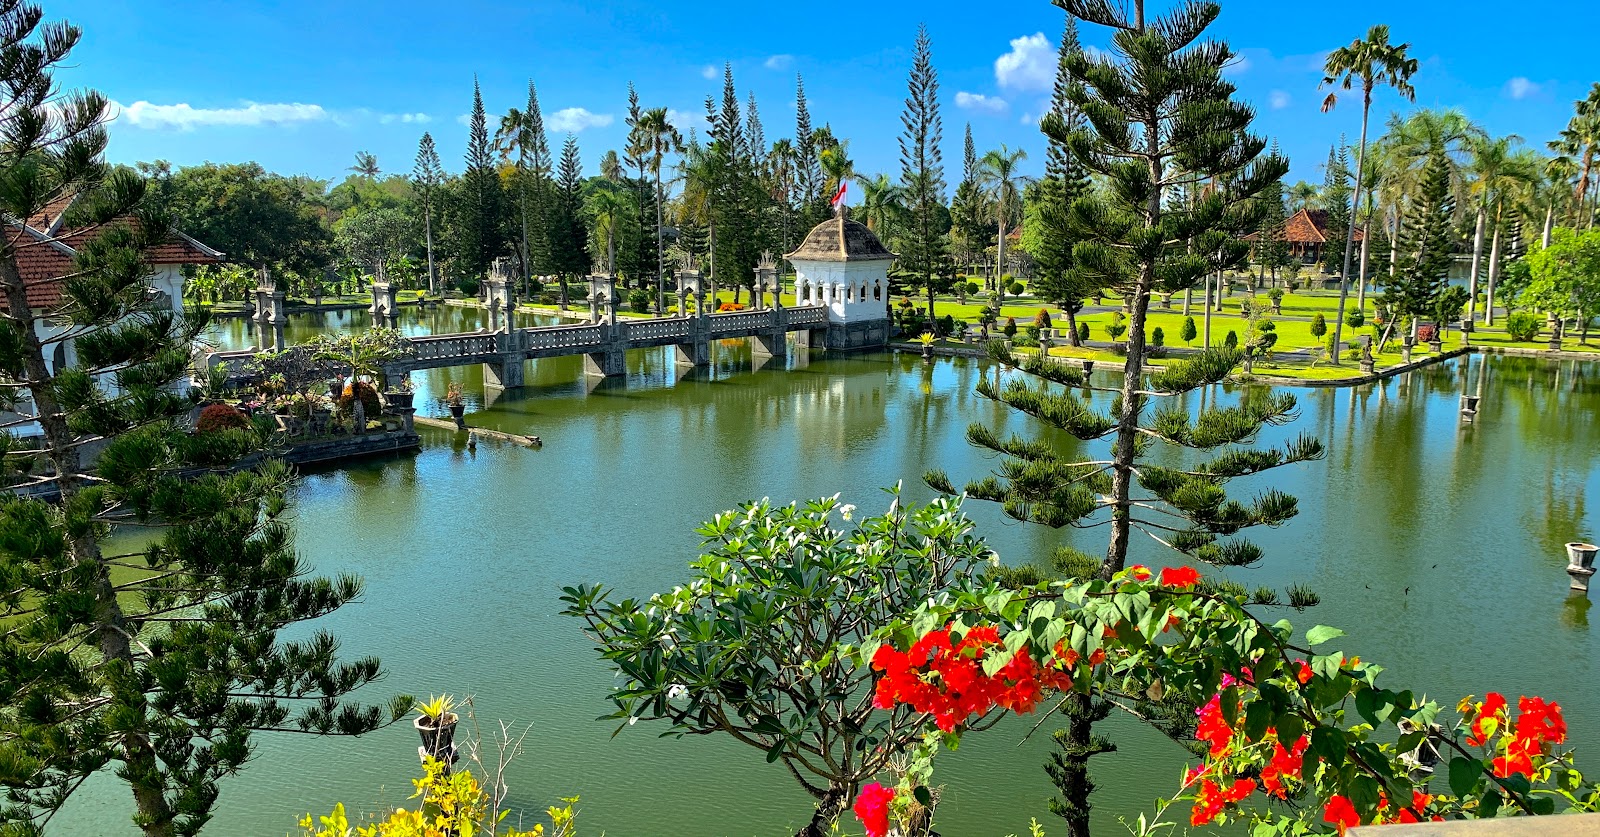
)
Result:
{"points": [[839, 198]]}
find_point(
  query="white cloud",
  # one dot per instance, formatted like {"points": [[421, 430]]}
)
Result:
{"points": [[708, 72], [1030, 65], [684, 120], [186, 117], [1278, 99], [573, 120], [464, 119], [1238, 66], [979, 102], [1521, 88], [780, 62], [405, 118]]}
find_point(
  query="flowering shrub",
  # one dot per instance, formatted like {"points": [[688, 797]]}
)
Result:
{"points": [[369, 399], [216, 417], [1272, 715], [454, 804], [731, 306]]}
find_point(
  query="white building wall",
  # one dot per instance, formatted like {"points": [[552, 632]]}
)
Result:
{"points": [[853, 291]]}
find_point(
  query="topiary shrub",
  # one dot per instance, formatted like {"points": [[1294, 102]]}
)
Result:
{"points": [[1042, 321], [973, 288], [1083, 332], [369, 400], [1189, 332], [947, 324], [221, 417], [469, 286], [1231, 341], [1319, 326], [1522, 326], [1010, 328], [640, 301], [1158, 337], [1355, 319], [1016, 289]]}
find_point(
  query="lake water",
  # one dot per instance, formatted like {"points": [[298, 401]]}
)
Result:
{"points": [[1437, 546]]}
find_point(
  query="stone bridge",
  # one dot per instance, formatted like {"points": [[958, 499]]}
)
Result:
{"points": [[605, 343]]}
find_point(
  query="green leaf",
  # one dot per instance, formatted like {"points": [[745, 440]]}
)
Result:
{"points": [[776, 752], [1490, 804], [924, 798], [1256, 719], [1321, 634]]}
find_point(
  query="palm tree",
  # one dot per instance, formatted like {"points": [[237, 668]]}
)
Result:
{"points": [[1489, 161], [366, 165], [837, 167], [1304, 195], [1374, 62], [516, 135], [664, 139], [783, 163], [1514, 186], [997, 174], [607, 207], [881, 200]]}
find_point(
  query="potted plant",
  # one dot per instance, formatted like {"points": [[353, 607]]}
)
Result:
{"points": [[457, 405], [1276, 295], [927, 346], [436, 723], [401, 397]]}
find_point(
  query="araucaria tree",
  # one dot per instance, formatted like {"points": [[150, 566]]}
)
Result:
{"points": [[1336, 202], [1160, 116], [1047, 233], [924, 243], [569, 240], [155, 660], [481, 206], [1426, 246], [426, 178]]}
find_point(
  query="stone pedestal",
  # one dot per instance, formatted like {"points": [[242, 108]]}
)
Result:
{"points": [[269, 318], [385, 302]]}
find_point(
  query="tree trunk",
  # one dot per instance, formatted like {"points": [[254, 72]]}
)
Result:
{"points": [[1000, 255], [1188, 297], [1494, 271], [661, 269], [1072, 325], [1207, 343], [140, 767], [1361, 283], [1477, 256], [933, 321], [1549, 223], [829, 807], [1355, 212]]}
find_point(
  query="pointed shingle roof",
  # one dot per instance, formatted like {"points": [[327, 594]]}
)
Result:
{"points": [[840, 239]]}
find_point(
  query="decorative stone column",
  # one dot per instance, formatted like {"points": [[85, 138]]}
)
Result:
{"points": [[1368, 365], [766, 280], [269, 317], [498, 294], [385, 300]]}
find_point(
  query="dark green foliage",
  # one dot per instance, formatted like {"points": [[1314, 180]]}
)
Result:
{"points": [[1336, 195], [924, 246], [1232, 340], [1447, 309], [1427, 243], [1319, 325], [639, 300], [1355, 319], [1158, 114], [1189, 331], [1271, 250], [1010, 328], [1158, 337], [256, 217], [480, 206], [1083, 332], [1051, 199], [569, 240], [151, 663]]}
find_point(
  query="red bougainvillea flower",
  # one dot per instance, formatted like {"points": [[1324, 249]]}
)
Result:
{"points": [[1341, 813], [1212, 729], [872, 808], [1285, 764], [1540, 721], [1303, 672], [947, 680], [1179, 577], [1518, 758], [1419, 806], [1212, 798], [1486, 717]]}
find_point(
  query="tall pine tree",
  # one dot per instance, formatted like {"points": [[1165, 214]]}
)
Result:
{"points": [[426, 178], [1163, 117], [1052, 236], [153, 659], [1271, 248], [481, 210], [569, 240], [922, 179], [970, 219], [1428, 238], [808, 166], [1336, 194]]}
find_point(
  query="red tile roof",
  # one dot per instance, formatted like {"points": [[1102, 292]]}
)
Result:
{"points": [[44, 252]]}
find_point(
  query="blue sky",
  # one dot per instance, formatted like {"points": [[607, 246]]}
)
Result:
{"points": [[302, 86]]}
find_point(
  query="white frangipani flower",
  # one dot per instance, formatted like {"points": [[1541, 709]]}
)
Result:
{"points": [[847, 511]]}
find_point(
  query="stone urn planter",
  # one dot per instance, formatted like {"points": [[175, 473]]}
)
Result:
{"points": [[1436, 346], [1580, 556], [1466, 325], [1088, 367], [399, 399], [458, 412]]}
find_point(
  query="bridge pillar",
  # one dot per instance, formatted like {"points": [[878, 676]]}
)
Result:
{"points": [[609, 363], [498, 296], [269, 317], [694, 353], [775, 341], [508, 372]]}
